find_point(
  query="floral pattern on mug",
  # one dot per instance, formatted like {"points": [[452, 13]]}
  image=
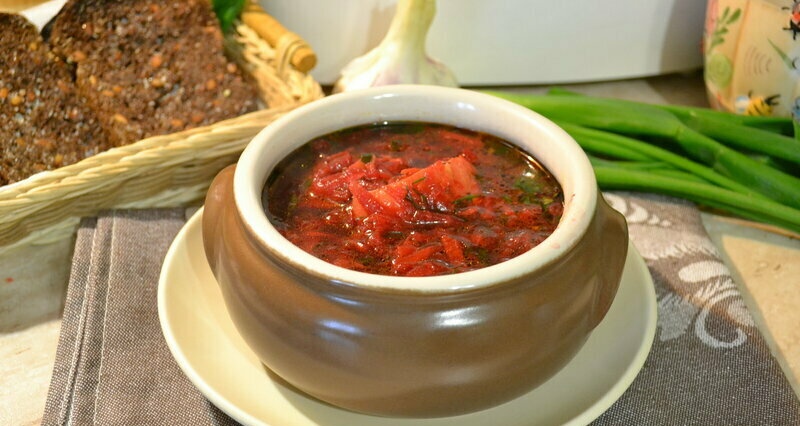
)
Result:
{"points": [[751, 51]]}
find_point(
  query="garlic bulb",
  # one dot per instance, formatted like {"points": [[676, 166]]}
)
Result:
{"points": [[400, 57]]}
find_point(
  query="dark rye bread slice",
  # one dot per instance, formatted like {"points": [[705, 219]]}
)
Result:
{"points": [[43, 124], [150, 67]]}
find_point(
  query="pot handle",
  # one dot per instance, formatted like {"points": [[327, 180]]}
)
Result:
{"points": [[218, 198], [611, 229]]}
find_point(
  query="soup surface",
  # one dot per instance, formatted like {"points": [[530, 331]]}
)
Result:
{"points": [[412, 199]]}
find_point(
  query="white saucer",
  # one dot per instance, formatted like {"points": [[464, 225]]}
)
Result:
{"points": [[211, 353]]}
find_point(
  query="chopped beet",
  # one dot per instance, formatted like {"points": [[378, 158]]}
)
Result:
{"points": [[412, 199], [436, 187]]}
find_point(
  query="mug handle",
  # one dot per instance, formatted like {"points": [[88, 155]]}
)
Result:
{"points": [[218, 197]]}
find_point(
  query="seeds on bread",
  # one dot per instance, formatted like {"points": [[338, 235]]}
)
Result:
{"points": [[150, 67], [45, 125], [110, 73]]}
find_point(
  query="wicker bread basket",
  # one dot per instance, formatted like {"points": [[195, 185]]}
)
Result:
{"points": [[162, 171]]}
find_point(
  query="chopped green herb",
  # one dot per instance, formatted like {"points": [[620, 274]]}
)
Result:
{"points": [[463, 201], [292, 204], [424, 199], [396, 145], [367, 260], [479, 253], [414, 202], [530, 188], [227, 11]]}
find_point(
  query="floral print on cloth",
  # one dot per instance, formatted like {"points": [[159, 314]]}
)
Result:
{"points": [[700, 285], [709, 364]]}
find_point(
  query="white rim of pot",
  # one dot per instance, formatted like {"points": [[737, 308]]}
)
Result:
{"points": [[545, 141]]}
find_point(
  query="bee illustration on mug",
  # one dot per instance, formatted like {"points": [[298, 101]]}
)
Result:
{"points": [[756, 105]]}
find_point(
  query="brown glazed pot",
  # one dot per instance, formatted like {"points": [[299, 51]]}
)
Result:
{"points": [[414, 347]]}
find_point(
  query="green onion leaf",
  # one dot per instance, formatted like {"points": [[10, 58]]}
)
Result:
{"points": [[227, 11]]}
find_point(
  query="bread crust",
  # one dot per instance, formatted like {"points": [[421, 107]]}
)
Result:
{"points": [[110, 73], [45, 125], [150, 67]]}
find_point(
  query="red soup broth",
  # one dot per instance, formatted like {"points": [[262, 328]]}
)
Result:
{"points": [[412, 199]]}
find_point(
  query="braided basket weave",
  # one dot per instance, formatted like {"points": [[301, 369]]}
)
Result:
{"points": [[162, 171]]}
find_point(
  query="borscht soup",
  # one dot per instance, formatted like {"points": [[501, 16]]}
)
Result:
{"points": [[412, 199]]}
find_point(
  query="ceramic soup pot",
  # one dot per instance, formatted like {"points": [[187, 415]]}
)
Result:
{"points": [[414, 346]]}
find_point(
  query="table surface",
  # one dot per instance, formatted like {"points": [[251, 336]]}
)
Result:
{"points": [[764, 264]]}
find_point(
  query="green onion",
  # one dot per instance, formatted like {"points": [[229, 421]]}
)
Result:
{"points": [[775, 163], [747, 138], [741, 165], [777, 125], [604, 143], [632, 165], [227, 11], [678, 174], [632, 118], [761, 210], [780, 125], [767, 135], [652, 167], [657, 168], [599, 141]]}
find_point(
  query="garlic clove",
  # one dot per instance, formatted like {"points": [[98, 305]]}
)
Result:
{"points": [[400, 58]]}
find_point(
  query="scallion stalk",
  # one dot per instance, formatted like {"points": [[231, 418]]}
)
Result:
{"points": [[649, 167], [747, 138], [766, 211], [632, 118], [599, 141], [779, 125]]}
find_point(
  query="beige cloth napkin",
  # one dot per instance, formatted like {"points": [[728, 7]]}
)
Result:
{"points": [[709, 365], [112, 363]]}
